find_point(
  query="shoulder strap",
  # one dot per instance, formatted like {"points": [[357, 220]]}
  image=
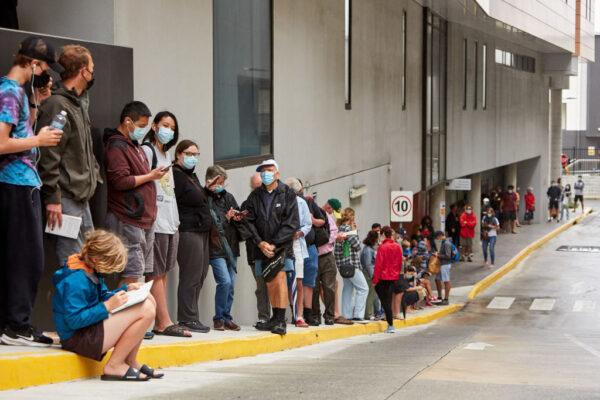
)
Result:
{"points": [[154, 157]]}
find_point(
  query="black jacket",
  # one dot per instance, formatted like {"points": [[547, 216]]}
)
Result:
{"points": [[194, 215], [452, 225], [276, 225], [222, 202]]}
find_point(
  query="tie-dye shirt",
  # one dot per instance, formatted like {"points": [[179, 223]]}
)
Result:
{"points": [[17, 169]]}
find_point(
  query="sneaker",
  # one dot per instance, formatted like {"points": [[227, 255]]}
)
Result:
{"points": [[232, 326], [492, 266], [444, 302], [195, 326], [329, 321], [259, 322], [28, 336], [279, 328], [265, 325], [390, 329], [219, 325]]}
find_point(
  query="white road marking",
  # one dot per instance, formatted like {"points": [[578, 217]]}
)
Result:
{"points": [[478, 346], [542, 305], [501, 303], [584, 346], [584, 306]]}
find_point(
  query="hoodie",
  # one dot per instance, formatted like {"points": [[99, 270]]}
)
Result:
{"points": [[70, 168], [124, 161], [78, 300]]}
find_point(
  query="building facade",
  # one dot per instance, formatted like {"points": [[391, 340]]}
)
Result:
{"points": [[385, 94]]}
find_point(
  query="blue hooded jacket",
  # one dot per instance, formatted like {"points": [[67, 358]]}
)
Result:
{"points": [[79, 297]]}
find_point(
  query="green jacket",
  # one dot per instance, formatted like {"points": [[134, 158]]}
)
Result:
{"points": [[69, 169]]}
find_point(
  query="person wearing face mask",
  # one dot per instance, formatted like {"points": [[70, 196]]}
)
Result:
{"points": [[272, 222], [509, 209], [554, 193], [468, 222], [21, 247], [131, 190], [162, 136], [489, 235], [224, 245], [70, 171], [194, 235]]}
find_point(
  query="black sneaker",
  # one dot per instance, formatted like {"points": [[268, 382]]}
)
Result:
{"points": [[329, 321], [28, 336], [444, 302], [195, 326], [265, 325], [279, 328]]}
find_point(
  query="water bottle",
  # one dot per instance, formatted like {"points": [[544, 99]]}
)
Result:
{"points": [[59, 121]]}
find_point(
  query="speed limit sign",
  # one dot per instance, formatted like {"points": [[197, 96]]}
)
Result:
{"points": [[401, 206]]}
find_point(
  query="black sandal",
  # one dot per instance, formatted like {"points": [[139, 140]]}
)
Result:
{"points": [[150, 372], [173, 330], [132, 375]]}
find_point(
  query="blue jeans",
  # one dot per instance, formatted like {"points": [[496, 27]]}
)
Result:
{"points": [[491, 242], [353, 306], [225, 277]]}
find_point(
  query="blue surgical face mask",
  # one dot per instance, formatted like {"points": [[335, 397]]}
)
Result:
{"points": [[189, 162], [218, 189], [165, 135], [138, 133], [267, 177]]}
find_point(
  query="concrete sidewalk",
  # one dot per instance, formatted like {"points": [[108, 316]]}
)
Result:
{"points": [[25, 366]]}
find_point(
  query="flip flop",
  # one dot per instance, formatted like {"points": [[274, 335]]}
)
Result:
{"points": [[150, 372], [172, 330], [132, 375]]}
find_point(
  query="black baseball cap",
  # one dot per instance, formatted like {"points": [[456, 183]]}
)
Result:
{"points": [[37, 48]]}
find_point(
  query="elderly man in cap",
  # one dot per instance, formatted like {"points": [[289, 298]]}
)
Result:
{"points": [[272, 221], [21, 248]]}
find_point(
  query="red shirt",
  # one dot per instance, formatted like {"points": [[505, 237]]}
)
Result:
{"points": [[529, 201], [509, 202], [388, 263], [467, 225]]}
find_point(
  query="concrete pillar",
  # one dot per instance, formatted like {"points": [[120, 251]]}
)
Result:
{"points": [[555, 132], [510, 175], [436, 196]]}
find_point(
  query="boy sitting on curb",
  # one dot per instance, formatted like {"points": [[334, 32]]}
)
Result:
{"points": [[82, 305]]}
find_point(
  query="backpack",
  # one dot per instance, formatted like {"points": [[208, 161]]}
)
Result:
{"points": [[455, 254], [154, 158], [322, 233]]}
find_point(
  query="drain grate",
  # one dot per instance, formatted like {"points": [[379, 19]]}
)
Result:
{"points": [[580, 249]]}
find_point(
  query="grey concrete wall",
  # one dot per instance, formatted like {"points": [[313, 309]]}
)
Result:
{"points": [[514, 127]]}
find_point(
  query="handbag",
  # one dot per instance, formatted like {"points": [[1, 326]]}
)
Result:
{"points": [[434, 267], [272, 266], [347, 270]]}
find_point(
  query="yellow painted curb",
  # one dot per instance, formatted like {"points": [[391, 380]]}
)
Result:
{"points": [[489, 280], [20, 370]]}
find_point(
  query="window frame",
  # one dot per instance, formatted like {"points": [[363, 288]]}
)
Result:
{"points": [[476, 75], [465, 72], [241, 162]]}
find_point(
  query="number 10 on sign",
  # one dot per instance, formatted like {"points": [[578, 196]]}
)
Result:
{"points": [[401, 206]]}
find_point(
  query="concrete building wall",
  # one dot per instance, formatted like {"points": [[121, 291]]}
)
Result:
{"points": [[513, 127]]}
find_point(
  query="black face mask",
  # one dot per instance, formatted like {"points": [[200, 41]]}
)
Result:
{"points": [[90, 83], [40, 81]]}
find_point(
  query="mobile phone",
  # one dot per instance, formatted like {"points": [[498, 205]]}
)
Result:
{"points": [[168, 166]]}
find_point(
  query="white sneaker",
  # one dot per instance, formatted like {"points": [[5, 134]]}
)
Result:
{"points": [[390, 329]]}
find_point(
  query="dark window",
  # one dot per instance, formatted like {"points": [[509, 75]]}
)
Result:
{"points": [[476, 75], [348, 53], [242, 79], [404, 30], [465, 72], [435, 55], [484, 76]]}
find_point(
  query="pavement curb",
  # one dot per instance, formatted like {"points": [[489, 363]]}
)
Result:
{"points": [[489, 280], [21, 370]]}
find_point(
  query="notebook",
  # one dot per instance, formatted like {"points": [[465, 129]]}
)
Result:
{"points": [[135, 297], [70, 227]]}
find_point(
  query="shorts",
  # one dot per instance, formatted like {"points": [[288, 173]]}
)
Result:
{"points": [[578, 197], [165, 253], [444, 274], [553, 204], [298, 260], [139, 243], [311, 267], [510, 215], [528, 215], [467, 242], [87, 341]]}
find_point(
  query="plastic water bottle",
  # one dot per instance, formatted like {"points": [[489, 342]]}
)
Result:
{"points": [[59, 121]]}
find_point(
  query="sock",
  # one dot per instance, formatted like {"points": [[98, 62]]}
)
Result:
{"points": [[307, 314], [279, 314]]}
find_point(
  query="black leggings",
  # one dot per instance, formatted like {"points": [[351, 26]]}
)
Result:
{"points": [[385, 291]]}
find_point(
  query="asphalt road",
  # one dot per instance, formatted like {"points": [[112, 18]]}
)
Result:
{"points": [[542, 341]]}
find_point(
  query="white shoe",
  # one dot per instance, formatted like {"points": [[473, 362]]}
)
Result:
{"points": [[390, 329]]}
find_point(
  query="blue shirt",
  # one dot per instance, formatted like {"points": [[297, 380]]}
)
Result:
{"points": [[305, 224], [17, 169]]}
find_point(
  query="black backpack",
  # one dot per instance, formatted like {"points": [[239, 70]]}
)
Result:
{"points": [[154, 158], [322, 233]]}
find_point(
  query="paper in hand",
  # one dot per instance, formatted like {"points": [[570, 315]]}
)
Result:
{"points": [[70, 227]]}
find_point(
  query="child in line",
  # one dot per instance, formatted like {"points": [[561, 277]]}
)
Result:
{"points": [[82, 307]]}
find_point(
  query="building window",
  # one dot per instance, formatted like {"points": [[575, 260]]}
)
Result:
{"points": [[516, 61], [476, 75], [465, 72], [434, 143], [242, 80], [404, 30], [348, 53], [484, 76]]}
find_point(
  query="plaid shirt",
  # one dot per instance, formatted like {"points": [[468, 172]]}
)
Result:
{"points": [[338, 251]]}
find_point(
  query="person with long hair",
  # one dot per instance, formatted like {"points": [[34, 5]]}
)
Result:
{"points": [[388, 267], [368, 253]]}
